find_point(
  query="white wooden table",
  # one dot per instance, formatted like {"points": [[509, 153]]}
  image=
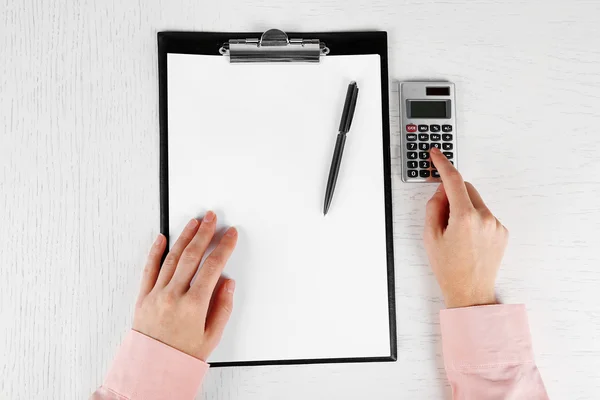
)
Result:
{"points": [[79, 203]]}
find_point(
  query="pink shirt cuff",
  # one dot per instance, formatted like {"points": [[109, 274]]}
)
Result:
{"points": [[147, 369], [485, 336]]}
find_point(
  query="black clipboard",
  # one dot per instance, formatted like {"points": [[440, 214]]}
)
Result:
{"points": [[333, 43]]}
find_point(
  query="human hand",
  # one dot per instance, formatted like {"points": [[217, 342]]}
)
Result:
{"points": [[464, 241], [176, 311]]}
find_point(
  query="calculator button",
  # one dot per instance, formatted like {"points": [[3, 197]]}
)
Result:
{"points": [[412, 173], [423, 146], [434, 128], [435, 174], [411, 164], [424, 164], [447, 146], [436, 136], [446, 137], [424, 173], [446, 128], [424, 155], [449, 155], [411, 137], [411, 128], [413, 146], [423, 128], [411, 155], [436, 145], [423, 136]]}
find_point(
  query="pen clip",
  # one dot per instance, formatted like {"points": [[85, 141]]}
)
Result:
{"points": [[349, 107]]}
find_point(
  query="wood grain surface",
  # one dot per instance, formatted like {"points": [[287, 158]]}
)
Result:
{"points": [[79, 203]]}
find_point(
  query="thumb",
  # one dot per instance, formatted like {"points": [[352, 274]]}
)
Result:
{"points": [[437, 212], [220, 311]]}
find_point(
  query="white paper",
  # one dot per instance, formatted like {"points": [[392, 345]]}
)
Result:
{"points": [[254, 142]]}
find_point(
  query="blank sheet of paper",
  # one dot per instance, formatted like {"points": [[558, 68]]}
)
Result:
{"points": [[254, 142]]}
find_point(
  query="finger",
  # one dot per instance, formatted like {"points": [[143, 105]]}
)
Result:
{"points": [[193, 253], [152, 267], [209, 273], [476, 198], [170, 263], [220, 312], [437, 212], [453, 181]]}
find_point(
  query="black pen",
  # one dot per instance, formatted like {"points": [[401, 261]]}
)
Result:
{"points": [[347, 114]]}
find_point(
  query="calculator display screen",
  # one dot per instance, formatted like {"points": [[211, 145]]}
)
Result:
{"points": [[428, 109]]}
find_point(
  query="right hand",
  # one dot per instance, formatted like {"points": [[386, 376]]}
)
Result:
{"points": [[464, 241]]}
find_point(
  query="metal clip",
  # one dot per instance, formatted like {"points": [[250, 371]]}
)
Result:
{"points": [[274, 46]]}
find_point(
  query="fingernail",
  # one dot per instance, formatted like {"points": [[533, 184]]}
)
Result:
{"points": [[435, 150], [159, 240], [231, 232], [230, 286], [209, 217], [192, 224]]}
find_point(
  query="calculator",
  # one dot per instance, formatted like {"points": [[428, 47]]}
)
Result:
{"points": [[427, 120]]}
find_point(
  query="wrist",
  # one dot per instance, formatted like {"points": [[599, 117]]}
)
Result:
{"points": [[470, 300]]}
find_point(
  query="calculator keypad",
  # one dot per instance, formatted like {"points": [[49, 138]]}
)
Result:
{"points": [[419, 140]]}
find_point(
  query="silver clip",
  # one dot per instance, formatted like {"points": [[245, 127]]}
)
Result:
{"points": [[274, 46]]}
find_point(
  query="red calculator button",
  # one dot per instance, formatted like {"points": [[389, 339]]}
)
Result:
{"points": [[411, 128]]}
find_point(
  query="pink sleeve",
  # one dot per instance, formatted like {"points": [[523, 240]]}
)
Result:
{"points": [[147, 369], [488, 353]]}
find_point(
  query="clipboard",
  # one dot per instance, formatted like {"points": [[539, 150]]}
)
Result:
{"points": [[276, 46]]}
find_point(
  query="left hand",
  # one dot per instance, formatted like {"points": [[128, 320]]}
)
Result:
{"points": [[189, 316]]}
